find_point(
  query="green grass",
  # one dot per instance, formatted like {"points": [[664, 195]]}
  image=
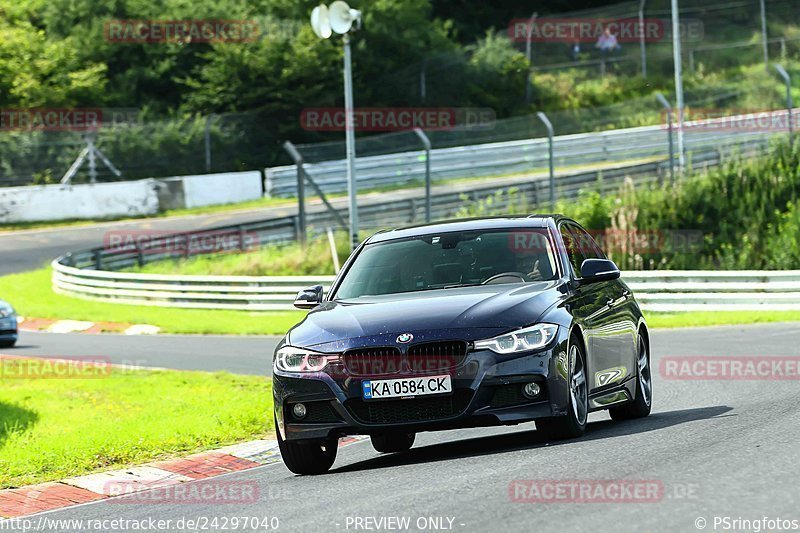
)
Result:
{"points": [[283, 260], [56, 428], [718, 318], [32, 295]]}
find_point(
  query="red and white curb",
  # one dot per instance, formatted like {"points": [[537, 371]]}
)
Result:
{"points": [[34, 499], [80, 326]]}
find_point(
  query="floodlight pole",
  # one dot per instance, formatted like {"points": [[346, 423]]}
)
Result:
{"points": [[528, 53], [676, 52], [764, 33], [350, 138], [641, 38], [789, 104]]}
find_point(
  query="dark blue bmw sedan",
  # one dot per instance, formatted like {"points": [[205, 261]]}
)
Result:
{"points": [[480, 322]]}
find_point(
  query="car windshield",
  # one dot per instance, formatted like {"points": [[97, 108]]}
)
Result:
{"points": [[450, 260]]}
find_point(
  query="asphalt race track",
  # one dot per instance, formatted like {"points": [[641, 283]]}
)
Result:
{"points": [[30, 249], [721, 448], [240, 355]]}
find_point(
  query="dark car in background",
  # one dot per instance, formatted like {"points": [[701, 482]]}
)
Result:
{"points": [[479, 322], [8, 325]]}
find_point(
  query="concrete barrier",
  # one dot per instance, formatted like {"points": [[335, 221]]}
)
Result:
{"points": [[39, 203], [210, 189], [91, 201]]}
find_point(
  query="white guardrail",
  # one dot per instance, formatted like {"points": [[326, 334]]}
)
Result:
{"points": [[722, 135], [659, 290]]}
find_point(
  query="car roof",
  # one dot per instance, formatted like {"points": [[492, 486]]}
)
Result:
{"points": [[466, 224]]}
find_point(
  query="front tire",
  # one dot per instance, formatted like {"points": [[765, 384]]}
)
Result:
{"points": [[392, 442], [641, 405], [308, 457], [574, 423]]}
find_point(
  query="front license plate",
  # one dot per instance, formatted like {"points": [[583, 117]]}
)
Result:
{"points": [[405, 387]]}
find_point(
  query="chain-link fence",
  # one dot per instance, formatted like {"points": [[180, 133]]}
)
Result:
{"points": [[717, 36]]}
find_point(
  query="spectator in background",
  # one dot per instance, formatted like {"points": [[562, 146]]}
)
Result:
{"points": [[575, 51], [607, 42]]}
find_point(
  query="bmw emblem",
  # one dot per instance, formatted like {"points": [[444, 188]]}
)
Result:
{"points": [[405, 338]]}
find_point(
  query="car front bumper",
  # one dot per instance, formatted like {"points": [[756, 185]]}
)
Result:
{"points": [[486, 392]]}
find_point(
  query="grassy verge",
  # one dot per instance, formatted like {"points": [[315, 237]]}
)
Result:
{"points": [[32, 295], [718, 318], [56, 428]]}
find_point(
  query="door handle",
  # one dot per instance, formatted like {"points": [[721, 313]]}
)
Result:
{"points": [[610, 302], [626, 294]]}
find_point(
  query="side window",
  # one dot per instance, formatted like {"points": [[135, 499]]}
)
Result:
{"points": [[572, 249], [580, 246], [586, 243]]}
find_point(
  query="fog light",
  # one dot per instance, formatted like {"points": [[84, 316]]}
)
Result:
{"points": [[531, 390], [299, 411]]}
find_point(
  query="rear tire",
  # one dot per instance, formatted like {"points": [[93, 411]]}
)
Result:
{"points": [[7, 344], [308, 457], [641, 405], [574, 423], [392, 442]]}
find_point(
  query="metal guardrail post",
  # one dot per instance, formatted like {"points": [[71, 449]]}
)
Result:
{"points": [[426, 142], [664, 102], [207, 137], [98, 259], [301, 193], [550, 134], [789, 104], [242, 239], [302, 175]]}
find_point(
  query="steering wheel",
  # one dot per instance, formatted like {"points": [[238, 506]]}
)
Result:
{"points": [[505, 277]]}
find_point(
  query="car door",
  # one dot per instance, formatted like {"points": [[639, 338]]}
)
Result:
{"points": [[608, 322]]}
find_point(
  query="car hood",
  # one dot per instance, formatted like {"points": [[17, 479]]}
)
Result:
{"points": [[467, 313]]}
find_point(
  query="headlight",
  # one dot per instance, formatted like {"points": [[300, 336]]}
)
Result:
{"points": [[291, 359], [522, 340]]}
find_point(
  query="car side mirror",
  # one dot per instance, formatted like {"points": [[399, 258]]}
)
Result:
{"points": [[597, 270], [309, 298]]}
